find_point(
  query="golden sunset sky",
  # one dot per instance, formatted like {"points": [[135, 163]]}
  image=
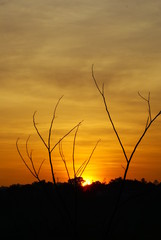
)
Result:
{"points": [[47, 48]]}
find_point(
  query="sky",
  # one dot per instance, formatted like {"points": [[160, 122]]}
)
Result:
{"points": [[47, 49]]}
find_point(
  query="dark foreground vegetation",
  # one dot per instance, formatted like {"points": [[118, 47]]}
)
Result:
{"points": [[39, 211]]}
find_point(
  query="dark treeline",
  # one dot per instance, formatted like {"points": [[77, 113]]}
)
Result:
{"points": [[36, 211]]}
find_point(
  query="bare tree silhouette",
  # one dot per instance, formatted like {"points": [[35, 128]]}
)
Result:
{"points": [[50, 148], [47, 144], [149, 122]]}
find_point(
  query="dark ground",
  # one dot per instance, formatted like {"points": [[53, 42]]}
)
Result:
{"points": [[39, 211]]}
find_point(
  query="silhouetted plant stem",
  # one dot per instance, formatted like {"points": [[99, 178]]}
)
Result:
{"points": [[50, 150], [62, 207], [75, 186], [128, 160], [63, 159], [85, 163], [31, 170], [108, 113], [48, 145], [76, 177]]}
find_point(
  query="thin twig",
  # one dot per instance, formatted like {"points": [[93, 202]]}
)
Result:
{"points": [[34, 123], [53, 118], [124, 179], [108, 113], [63, 159], [87, 162], [128, 160], [66, 135], [143, 135], [149, 108], [40, 166], [22, 158], [30, 156], [80, 168], [48, 145], [73, 155]]}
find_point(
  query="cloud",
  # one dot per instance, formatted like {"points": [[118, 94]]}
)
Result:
{"points": [[47, 49], [74, 35], [52, 45], [3, 2]]}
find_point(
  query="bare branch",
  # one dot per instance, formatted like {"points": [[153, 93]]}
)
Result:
{"points": [[38, 130], [109, 116], [103, 88], [65, 135], [149, 107], [93, 76], [125, 174], [40, 167], [24, 160], [128, 160], [80, 168], [30, 156], [87, 162], [149, 97], [143, 135], [63, 158], [73, 155], [147, 122], [53, 118], [142, 97]]}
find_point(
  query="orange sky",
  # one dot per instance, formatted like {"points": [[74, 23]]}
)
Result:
{"points": [[47, 49]]}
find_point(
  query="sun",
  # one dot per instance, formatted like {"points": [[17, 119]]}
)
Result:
{"points": [[86, 182]]}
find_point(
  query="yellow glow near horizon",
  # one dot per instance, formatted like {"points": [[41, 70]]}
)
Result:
{"points": [[47, 50], [86, 182]]}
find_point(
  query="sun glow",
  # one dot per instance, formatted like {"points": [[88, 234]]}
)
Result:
{"points": [[86, 182]]}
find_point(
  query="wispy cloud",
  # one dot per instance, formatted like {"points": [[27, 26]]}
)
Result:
{"points": [[47, 49]]}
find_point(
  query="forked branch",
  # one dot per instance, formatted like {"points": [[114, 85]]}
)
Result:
{"points": [[48, 143], [30, 155], [81, 169], [53, 118], [66, 135], [76, 173], [128, 160], [35, 125], [108, 113], [149, 108], [31, 169], [63, 159]]}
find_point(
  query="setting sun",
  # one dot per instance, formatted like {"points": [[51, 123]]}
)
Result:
{"points": [[86, 182], [49, 53]]}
